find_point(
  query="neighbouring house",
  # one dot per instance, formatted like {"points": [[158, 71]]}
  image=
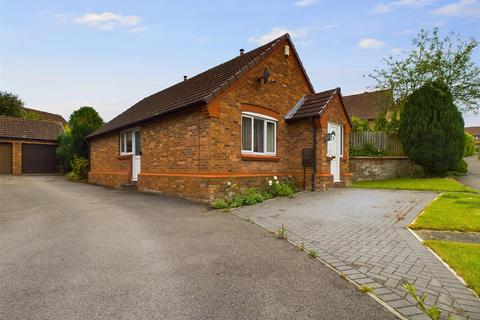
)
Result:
{"points": [[475, 132], [42, 115], [369, 105], [251, 118], [28, 146]]}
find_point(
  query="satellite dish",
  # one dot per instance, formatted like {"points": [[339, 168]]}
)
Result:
{"points": [[266, 75]]}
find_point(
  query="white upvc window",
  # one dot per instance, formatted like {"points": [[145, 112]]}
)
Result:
{"points": [[129, 140], [259, 134]]}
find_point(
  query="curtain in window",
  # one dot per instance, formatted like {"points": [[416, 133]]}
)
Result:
{"points": [[122, 142], [246, 133], [258, 129], [137, 143], [129, 141], [270, 137]]}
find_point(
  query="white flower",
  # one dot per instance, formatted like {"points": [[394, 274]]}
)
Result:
{"points": [[275, 178], [270, 182], [277, 182], [229, 183]]}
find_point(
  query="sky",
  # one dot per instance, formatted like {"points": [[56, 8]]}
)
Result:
{"points": [[60, 55]]}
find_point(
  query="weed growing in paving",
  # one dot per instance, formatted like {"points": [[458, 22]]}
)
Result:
{"points": [[365, 289], [282, 233], [432, 312], [301, 247], [312, 253]]}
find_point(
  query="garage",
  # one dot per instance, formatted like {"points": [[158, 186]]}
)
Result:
{"points": [[39, 158], [5, 158], [28, 146]]}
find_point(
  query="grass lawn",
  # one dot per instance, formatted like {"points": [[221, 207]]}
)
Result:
{"points": [[464, 258], [433, 184], [451, 212]]}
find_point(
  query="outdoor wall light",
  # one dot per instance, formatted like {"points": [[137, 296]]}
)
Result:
{"points": [[330, 136]]}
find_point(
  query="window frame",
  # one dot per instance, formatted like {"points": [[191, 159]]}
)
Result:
{"points": [[123, 141], [266, 119]]}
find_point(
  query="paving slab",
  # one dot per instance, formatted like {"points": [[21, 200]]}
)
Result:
{"points": [[362, 229]]}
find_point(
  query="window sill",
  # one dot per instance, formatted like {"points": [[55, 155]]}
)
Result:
{"points": [[259, 157], [124, 156]]}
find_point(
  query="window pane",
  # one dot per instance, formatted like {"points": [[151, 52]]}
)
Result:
{"points": [[270, 137], [129, 141], [258, 129], [246, 133], [122, 142], [137, 143]]}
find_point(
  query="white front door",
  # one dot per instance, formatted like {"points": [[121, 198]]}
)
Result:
{"points": [[335, 149], [137, 154]]}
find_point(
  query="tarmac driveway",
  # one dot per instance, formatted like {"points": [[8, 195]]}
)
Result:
{"points": [[362, 233], [77, 251]]}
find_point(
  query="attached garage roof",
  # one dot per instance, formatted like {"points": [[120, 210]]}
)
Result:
{"points": [[18, 128], [312, 105], [200, 89]]}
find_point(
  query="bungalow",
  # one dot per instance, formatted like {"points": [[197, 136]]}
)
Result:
{"points": [[250, 118]]}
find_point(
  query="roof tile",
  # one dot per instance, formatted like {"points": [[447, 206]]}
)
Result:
{"points": [[19, 128], [199, 89]]}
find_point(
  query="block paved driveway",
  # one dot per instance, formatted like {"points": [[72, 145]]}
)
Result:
{"points": [[75, 251], [363, 234]]}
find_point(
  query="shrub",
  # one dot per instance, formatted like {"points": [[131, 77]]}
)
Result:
{"points": [[276, 188], [469, 145], [431, 128], [462, 166], [234, 197], [367, 150], [359, 124], [252, 196], [220, 204], [64, 151], [80, 167]]}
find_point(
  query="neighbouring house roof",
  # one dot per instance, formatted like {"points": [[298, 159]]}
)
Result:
{"points": [[19, 128], [368, 105], [43, 115], [312, 105], [475, 131], [198, 90]]}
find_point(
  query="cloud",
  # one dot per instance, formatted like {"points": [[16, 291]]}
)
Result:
{"points": [[397, 4], [460, 8], [305, 3], [396, 51], [109, 21], [367, 43], [403, 32], [278, 32]]}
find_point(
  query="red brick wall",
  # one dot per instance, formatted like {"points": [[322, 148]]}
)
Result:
{"points": [[107, 167]]}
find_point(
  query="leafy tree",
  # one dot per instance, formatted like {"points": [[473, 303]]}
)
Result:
{"points": [[83, 122], [434, 57], [359, 124], [431, 128], [10, 105]]}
